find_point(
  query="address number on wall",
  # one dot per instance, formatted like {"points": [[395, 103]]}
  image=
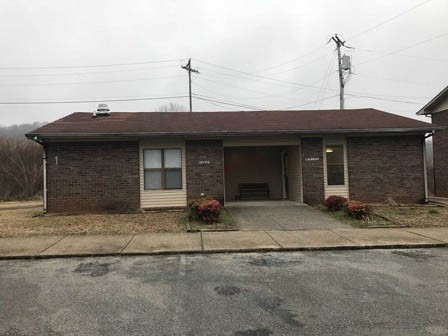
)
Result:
{"points": [[312, 159], [205, 162]]}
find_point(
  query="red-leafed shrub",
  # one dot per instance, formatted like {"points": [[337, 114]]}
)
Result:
{"points": [[209, 211], [193, 207], [335, 203], [357, 209]]}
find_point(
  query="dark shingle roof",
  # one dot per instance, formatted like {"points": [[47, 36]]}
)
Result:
{"points": [[81, 124]]}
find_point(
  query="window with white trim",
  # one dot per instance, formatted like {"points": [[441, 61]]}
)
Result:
{"points": [[335, 164], [162, 168]]}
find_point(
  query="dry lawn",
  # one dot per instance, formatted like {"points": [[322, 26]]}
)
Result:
{"points": [[415, 215], [30, 222]]}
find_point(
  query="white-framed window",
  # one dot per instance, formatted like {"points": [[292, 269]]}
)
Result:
{"points": [[162, 168], [334, 155]]}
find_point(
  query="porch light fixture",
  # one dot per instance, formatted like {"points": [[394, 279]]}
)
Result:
{"points": [[328, 150]]}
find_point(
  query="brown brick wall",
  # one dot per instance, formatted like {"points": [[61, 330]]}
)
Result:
{"points": [[312, 171], [440, 148], [93, 177], [205, 178], [382, 167]]}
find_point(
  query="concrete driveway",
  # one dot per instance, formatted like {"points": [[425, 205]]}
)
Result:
{"points": [[280, 215]]}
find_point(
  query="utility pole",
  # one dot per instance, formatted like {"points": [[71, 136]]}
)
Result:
{"points": [[343, 66], [190, 70]]}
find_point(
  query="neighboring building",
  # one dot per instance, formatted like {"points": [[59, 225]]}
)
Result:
{"points": [[437, 108], [129, 161]]}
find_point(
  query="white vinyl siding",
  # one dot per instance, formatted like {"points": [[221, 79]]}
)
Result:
{"points": [[162, 198], [340, 190]]}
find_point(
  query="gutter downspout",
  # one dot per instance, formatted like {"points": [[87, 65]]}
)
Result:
{"points": [[425, 172], [44, 166]]}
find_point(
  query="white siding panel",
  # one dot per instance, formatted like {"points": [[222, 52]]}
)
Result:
{"points": [[336, 190], [163, 198]]}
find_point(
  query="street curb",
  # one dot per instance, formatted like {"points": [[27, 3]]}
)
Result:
{"points": [[242, 250]]}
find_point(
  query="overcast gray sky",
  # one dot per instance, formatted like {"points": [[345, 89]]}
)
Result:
{"points": [[400, 55]]}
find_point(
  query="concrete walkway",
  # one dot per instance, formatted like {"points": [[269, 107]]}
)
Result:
{"points": [[207, 242], [280, 215]]}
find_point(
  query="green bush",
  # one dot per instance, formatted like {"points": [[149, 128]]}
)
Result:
{"points": [[357, 210]]}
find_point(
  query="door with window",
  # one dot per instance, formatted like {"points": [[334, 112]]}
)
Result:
{"points": [[335, 168]]}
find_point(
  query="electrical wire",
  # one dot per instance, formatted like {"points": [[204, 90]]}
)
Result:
{"points": [[404, 55], [389, 20], [405, 48], [257, 76], [391, 79], [328, 72], [218, 105], [87, 66], [384, 99], [86, 73], [220, 101], [91, 82], [311, 102], [86, 101]]}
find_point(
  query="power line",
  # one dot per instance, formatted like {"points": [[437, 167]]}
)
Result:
{"points": [[328, 74], [391, 79], [86, 73], [293, 60], [404, 55], [311, 102], [226, 102], [86, 66], [385, 99], [87, 101], [89, 82], [260, 76], [314, 60], [218, 105], [405, 48], [352, 37], [389, 20], [282, 81]]}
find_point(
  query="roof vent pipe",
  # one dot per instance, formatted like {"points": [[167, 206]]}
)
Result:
{"points": [[102, 111]]}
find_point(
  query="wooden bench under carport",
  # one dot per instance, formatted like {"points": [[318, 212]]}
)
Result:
{"points": [[253, 191]]}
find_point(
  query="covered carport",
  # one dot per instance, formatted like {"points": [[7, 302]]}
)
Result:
{"points": [[262, 173]]}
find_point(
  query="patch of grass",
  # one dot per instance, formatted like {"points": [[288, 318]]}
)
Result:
{"points": [[415, 215], [405, 215], [225, 222], [30, 222], [433, 212], [358, 223]]}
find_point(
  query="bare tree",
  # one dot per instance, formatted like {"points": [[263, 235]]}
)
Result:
{"points": [[171, 107], [20, 163]]}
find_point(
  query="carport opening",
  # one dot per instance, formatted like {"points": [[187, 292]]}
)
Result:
{"points": [[262, 173]]}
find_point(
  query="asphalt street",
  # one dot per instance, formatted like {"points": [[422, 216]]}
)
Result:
{"points": [[363, 292]]}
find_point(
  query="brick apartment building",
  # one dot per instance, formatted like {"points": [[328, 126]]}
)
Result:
{"points": [[129, 161]]}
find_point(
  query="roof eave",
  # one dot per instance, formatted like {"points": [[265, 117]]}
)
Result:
{"points": [[426, 110], [35, 136]]}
